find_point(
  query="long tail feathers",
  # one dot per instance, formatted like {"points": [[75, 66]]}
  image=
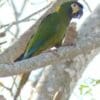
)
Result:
{"points": [[23, 80]]}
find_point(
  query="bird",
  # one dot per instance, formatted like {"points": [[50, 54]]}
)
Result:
{"points": [[50, 33]]}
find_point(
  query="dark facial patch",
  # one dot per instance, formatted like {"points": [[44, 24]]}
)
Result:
{"points": [[80, 12]]}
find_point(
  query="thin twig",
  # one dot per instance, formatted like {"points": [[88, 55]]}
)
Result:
{"points": [[3, 42], [27, 17], [22, 8], [87, 5], [9, 89], [14, 82], [16, 17]]}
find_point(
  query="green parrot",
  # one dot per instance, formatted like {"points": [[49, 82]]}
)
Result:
{"points": [[50, 33]]}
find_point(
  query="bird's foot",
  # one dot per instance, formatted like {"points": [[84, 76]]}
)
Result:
{"points": [[52, 50]]}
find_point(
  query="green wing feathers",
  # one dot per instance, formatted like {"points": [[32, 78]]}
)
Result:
{"points": [[50, 32]]}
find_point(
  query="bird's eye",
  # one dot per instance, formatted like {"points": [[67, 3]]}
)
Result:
{"points": [[74, 5]]}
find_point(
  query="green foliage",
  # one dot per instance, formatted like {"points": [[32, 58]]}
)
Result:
{"points": [[84, 87], [87, 87], [97, 82]]}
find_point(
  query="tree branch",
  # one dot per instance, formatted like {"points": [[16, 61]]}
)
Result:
{"points": [[26, 18]]}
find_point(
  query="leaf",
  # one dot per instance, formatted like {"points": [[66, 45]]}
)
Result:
{"points": [[88, 91], [98, 82], [82, 87]]}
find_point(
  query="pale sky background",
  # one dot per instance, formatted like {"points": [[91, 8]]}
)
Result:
{"points": [[93, 69]]}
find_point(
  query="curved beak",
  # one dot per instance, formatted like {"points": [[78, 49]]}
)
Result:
{"points": [[80, 13]]}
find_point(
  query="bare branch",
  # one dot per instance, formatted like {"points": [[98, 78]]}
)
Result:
{"points": [[3, 42], [45, 59], [22, 8], [26, 18], [16, 17], [87, 6]]}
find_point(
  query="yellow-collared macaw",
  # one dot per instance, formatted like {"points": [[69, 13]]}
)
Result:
{"points": [[50, 33]]}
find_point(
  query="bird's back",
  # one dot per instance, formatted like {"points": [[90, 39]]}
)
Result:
{"points": [[50, 32]]}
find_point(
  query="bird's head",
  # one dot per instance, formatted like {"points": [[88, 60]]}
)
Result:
{"points": [[72, 8], [77, 9]]}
